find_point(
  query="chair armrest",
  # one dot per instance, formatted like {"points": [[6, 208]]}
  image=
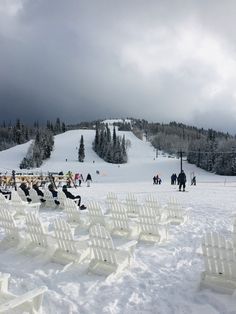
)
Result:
{"points": [[128, 246], [19, 300]]}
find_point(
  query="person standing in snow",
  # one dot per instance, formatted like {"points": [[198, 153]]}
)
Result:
{"points": [[88, 179], [182, 180], [154, 180], [78, 179]]}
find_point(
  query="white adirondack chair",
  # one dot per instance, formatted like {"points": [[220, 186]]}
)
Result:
{"points": [[220, 263], [50, 201], [152, 202], [8, 223], [95, 214], [20, 206], [175, 213], [131, 205], [34, 196], [62, 199], [120, 220], [4, 202], [105, 258], [72, 211], [30, 302], [151, 228], [37, 234], [68, 249], [22, 195], [110, 200]]}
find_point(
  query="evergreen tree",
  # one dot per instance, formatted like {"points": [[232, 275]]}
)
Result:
{"points": [[114, 136], [81, 150], [63, 127]]}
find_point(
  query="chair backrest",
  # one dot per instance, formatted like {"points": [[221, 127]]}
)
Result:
{"points": [[3, 200], [8, 223], [36, 230], [119, 217], [15, 198], [131, 204], [61, 198], [148, 221], [22, 195], [95, 214], [34, 196], [72, 211], [110, 199], [152, 202], [174, 209], [219, 256], [102, 245], [64, 237], [48, 197]]}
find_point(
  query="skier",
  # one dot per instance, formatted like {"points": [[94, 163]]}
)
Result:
{"points": [[193, 182], [182, 180]]}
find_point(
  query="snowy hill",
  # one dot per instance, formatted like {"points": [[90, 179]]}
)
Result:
{"points": [[163, 278], [142, 162]]}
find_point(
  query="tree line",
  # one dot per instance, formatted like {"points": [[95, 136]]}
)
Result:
{"points": [[41, 136], [211, 150], [111, 148], [42, 145]]}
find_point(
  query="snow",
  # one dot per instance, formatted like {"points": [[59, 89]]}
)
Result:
{"points": [[163, 278]]}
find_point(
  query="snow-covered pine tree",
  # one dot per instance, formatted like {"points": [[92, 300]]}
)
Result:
{"points": [[81, 150]]}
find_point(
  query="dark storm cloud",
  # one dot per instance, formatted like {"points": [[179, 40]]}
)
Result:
{"points": [[82, 60]]}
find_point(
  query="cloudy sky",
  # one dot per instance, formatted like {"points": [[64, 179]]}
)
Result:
{"points": [[152, 59]]}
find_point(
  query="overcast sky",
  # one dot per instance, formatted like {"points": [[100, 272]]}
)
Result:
{"points": [[82, 60]]}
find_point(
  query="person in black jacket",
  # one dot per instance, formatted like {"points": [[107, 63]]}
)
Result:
{"points": [[54, 193], [88, 179], [182, 180], [39, 192], [23, 186], [73, 197]]}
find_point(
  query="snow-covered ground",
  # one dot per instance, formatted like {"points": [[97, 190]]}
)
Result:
{"points": [[163, 278]]}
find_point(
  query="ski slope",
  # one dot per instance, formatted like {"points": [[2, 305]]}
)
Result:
{"points": [[142, 162], [163, 278]]}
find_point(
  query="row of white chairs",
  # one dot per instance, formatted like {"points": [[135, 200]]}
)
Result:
{"points": [[146, 227], [172, 213], [16, 205], [61, 246]]}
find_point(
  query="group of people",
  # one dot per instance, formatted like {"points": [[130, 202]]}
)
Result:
{"points": [[68, 194], [156, 179], [77, 179], [174, 178], [180, 180], [25, 188]]}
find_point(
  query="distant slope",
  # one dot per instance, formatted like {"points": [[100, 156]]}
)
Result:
{"points": [[11, 158], [142, 164]]}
